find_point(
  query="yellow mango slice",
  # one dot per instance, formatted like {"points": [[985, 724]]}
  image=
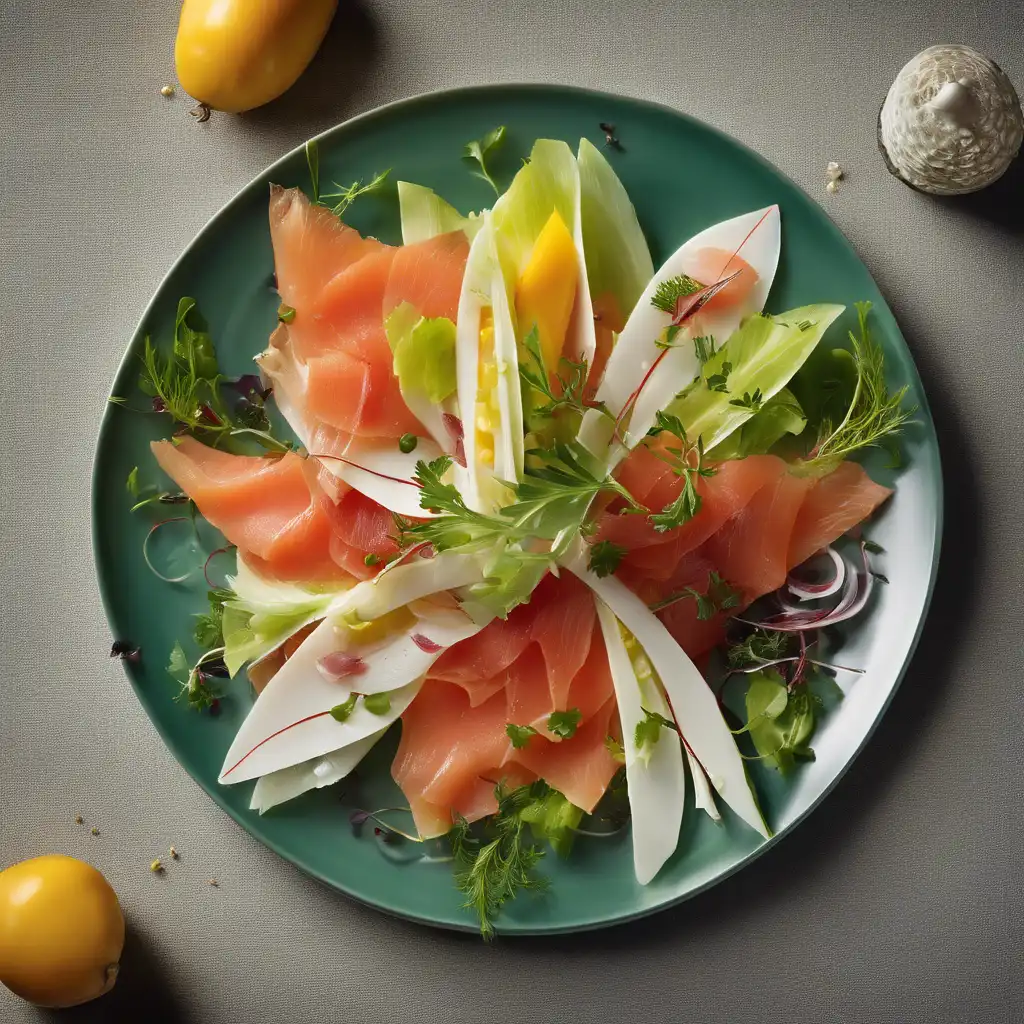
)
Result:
{"points": [[546, 290]]}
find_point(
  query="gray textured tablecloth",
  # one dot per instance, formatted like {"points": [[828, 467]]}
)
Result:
{"points": [[900, 900]]}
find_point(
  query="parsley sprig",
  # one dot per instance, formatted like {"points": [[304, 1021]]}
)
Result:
{"points": [[718, 597], [669, 292], [686, 460], [570, 394]]}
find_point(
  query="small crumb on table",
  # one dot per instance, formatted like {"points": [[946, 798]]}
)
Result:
{"points": [[167, 90]]}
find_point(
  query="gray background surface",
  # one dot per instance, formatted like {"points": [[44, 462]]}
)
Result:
{"points": [[899, 900]]}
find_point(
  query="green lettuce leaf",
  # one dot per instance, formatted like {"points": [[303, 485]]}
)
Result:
{"points": [[425, 215], [552, 817], [762, 356], [618, 260], [780, 415], [548, 181], [780, 723], [423, 351], [263, 613]]}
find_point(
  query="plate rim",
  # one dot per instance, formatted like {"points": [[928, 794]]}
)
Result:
{"points": [[510, 929]]}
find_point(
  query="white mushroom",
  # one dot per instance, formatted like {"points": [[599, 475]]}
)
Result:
{"points": [[951, 122]]}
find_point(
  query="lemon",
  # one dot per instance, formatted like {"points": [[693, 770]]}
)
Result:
{"points": [[235, 54], [61, 931]]}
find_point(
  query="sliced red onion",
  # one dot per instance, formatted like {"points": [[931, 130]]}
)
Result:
{"points": [[689, 305], [425, 644], [856, 591], [340, 664], [805, 591]]}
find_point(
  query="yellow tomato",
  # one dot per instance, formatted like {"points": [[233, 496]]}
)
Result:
{"points": [[61, 931], [235, 54]]}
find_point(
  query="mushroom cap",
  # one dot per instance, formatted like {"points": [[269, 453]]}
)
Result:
{"points": [[951, 122]]}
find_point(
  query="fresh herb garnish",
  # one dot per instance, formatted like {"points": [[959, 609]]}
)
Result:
{"points": [[477, 151], [668, 336], [519, 734], [873, 414], [648, 730], [209, 628], [780, 722], [341, 712], [564, 723], [313, 163], [605, 557], [497, 861], [570, 394], [346, 195], [704, 346], [194, 679], [377, 703], [718, 597], [761, 646], [687, 461], [749, 401], [719, 381], [551, 502], [615, 748], [187, 386], [492, 873], [668, 293]]}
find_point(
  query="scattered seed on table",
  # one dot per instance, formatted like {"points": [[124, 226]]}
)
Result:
{"points": [[157, 866], [79, 820], [173, 853], [95, 831], [167, 90]]}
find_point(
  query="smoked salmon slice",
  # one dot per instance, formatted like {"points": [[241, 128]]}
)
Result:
{"points": [[311, 245], [360, 527], [428, 275], [480, 664], [751, 551], [580, 767], [262, 505], [446, 744], [835, 504]]}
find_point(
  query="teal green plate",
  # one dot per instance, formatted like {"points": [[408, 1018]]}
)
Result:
{"points": [[682, 176]]}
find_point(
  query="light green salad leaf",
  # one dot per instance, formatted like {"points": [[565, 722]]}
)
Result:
{"points": [[425, 215], [780, 723], [262, 613], [618, 260], [548, 181], [423, 351], [763, 353], [781, 415]]}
